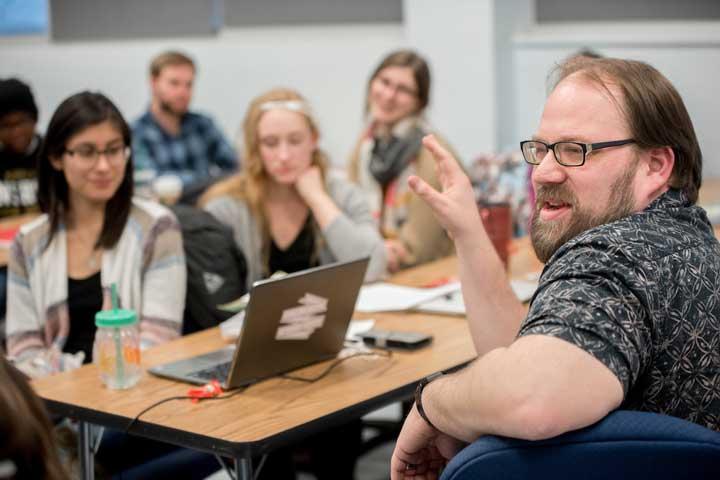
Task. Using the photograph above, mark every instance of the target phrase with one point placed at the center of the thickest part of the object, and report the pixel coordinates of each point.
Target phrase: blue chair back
(624, 445)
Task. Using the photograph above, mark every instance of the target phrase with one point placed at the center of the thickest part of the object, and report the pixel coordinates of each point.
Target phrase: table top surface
(275, 411)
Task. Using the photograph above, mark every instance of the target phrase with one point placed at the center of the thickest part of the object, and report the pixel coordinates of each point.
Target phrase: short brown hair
(420, 70)
(654, 110)
(165, 59)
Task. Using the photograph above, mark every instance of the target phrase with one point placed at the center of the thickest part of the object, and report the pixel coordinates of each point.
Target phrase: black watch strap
(418, 397)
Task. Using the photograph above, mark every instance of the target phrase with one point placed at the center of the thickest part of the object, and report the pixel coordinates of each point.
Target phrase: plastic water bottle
(116, 350)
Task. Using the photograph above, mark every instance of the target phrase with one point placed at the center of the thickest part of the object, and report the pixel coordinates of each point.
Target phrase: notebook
(290, 322)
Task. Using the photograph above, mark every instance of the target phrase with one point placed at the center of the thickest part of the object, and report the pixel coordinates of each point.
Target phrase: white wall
(511, 16)
(457, 37)
(688, 54)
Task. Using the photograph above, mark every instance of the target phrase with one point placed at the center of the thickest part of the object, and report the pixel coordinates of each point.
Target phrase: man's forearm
(494, 313)
(466, 405)
(539, 387)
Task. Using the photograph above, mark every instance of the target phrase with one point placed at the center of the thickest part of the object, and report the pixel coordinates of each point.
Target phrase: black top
(300, 255)
(85, 298)
(18, 180)
(641, 295)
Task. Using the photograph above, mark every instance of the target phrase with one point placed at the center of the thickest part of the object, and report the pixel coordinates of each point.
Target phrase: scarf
(390, 157)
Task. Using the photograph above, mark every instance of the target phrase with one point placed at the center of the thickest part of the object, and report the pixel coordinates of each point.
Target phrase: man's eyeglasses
(88, 156)
(568, 154)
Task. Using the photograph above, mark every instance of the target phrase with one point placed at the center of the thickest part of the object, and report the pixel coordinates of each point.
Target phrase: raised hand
(454, 207)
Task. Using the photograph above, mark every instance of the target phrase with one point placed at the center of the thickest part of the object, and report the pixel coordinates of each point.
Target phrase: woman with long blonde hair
(286, 210)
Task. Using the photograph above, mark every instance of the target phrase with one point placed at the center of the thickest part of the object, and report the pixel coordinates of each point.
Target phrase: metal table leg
(243, 468)
(87, 457)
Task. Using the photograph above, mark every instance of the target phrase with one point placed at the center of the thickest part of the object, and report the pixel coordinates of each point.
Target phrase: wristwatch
(418, 396)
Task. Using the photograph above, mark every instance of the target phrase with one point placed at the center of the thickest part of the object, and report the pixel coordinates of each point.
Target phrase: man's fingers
(431, 143)
(424, 190)
(447, 166)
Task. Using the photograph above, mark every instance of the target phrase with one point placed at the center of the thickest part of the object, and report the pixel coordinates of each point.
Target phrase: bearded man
(627, 312)
(170, 139)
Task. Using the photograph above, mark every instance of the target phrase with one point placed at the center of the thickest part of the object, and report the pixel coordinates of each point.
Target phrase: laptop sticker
(298, 323)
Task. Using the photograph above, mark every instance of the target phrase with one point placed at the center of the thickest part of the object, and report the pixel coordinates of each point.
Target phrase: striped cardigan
(147, 264)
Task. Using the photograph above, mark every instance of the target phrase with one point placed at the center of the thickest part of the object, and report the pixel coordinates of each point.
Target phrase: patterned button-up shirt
(198, 152)
(642, 295)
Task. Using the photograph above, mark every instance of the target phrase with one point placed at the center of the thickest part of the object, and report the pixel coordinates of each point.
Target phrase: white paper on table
(453, 303)
(387, 297)
(230, 328)
(357, 327)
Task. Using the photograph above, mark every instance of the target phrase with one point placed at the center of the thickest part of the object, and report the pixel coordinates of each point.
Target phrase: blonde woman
(389, 151)
(286, 210)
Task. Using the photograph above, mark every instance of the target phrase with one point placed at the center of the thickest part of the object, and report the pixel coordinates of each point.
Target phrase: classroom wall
(458, 43)
(489, 57)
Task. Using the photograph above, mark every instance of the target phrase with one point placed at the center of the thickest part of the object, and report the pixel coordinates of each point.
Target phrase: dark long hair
(75, 114)
(25, 429)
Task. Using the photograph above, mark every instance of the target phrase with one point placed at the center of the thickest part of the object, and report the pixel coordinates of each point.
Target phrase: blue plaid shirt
(198, 152)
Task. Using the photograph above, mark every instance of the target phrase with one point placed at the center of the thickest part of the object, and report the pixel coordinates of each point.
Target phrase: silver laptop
(290, 322)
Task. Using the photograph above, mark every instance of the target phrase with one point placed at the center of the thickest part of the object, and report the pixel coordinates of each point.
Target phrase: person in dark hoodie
(19, 146)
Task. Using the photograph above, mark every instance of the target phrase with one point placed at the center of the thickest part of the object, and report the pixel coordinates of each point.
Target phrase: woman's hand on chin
(309, 184)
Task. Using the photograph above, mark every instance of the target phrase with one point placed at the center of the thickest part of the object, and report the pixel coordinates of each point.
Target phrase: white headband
(292, 105)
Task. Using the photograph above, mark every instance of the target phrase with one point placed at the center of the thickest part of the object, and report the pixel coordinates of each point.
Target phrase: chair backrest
(624, 445)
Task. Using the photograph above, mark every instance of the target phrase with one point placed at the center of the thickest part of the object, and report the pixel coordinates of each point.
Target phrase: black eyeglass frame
(586, 148)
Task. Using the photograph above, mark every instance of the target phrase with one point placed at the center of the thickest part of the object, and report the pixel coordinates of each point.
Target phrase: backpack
(216, 268)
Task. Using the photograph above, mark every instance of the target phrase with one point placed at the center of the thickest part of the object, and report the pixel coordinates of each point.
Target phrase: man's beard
(547, 237)
(167, 107)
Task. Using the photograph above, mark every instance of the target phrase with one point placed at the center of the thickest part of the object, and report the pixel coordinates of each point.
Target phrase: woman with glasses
(389, 151)
(92, 234)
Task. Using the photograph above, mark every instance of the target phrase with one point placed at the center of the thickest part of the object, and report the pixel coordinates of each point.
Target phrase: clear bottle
(116, 350)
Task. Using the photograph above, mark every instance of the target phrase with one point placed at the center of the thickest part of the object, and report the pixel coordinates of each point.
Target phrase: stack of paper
(453, 304)
(387, 297)
(446, 299)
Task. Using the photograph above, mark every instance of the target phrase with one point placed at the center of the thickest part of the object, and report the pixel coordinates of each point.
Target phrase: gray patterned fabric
(642, 295)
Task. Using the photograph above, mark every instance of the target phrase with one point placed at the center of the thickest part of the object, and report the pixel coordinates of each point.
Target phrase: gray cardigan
(352, 235)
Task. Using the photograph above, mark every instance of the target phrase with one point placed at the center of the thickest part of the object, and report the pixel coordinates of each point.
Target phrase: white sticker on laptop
(298, 323)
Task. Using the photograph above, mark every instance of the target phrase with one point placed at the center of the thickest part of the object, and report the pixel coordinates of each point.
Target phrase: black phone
(389, 339)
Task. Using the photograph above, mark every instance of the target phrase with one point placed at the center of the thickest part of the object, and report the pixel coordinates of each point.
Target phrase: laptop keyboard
(216, 372)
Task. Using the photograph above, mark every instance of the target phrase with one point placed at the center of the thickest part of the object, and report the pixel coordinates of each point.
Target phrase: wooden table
(274, 412)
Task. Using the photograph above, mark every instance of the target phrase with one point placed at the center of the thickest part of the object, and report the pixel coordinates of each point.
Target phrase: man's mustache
(556, 193)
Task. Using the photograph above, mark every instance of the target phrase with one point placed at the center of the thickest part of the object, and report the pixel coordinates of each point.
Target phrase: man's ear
(660, 163)
(153, 82)
(655, 173)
